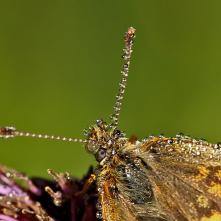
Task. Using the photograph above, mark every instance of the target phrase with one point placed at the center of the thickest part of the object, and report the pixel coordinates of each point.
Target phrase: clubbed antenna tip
(127, 51)
(7, 132)
(10, 132)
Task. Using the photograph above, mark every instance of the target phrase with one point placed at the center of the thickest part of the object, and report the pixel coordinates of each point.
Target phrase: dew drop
(98, 215)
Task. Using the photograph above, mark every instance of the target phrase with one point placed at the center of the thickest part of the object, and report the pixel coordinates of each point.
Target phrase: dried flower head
(37, 199)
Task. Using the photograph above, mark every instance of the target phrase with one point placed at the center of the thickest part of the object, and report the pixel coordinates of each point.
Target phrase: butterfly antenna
(127, 51)
(10, 132)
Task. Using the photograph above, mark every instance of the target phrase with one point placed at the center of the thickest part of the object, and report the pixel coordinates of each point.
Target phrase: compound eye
(101, 154)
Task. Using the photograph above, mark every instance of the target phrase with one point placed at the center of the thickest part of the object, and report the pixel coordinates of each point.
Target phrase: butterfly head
(103, 140)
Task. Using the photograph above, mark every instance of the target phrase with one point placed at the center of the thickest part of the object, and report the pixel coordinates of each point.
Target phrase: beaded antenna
(155, 179)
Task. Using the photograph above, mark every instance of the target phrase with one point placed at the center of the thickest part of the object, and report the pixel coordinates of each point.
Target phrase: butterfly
(155, 179)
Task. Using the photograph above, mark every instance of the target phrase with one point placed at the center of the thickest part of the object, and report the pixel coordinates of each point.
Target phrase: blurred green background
(60, 67)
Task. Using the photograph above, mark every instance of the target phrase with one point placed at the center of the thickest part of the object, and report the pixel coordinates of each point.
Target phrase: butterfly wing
(185, 175)
(113, 206)
(125, 194)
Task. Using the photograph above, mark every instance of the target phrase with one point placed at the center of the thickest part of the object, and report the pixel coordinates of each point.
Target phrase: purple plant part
(7, 218)
(37, 199)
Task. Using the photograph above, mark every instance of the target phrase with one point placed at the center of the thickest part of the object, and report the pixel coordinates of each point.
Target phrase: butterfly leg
(87, 185)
